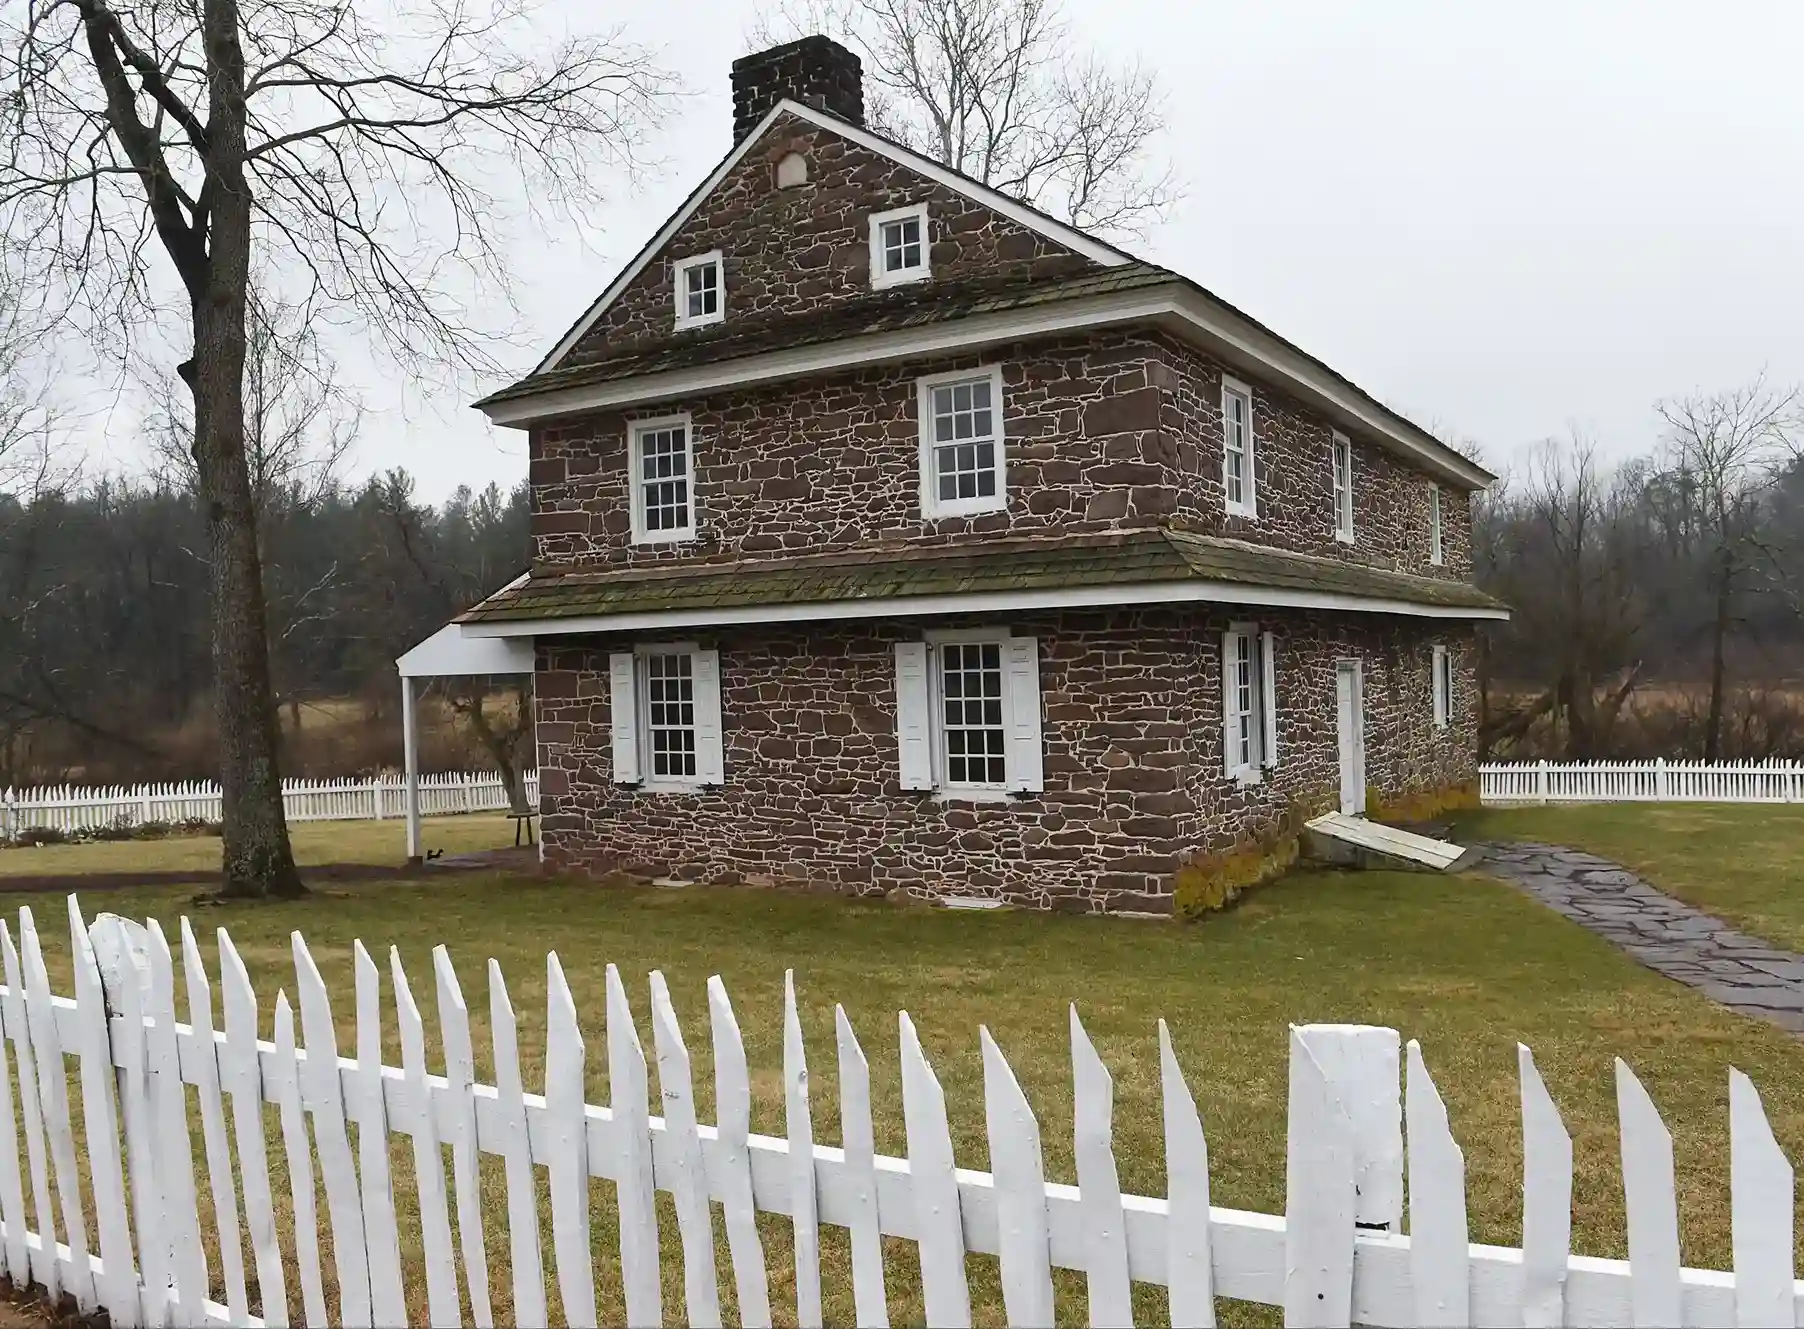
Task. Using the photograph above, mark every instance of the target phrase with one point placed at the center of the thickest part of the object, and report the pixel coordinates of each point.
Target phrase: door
(1350, 714)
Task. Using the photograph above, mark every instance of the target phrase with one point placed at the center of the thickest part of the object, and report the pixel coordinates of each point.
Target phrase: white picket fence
(1354, 1136)
(72, 808)
(1658, 781)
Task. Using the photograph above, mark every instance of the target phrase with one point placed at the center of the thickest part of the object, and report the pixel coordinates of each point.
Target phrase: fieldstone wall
(805, 249)
(1103, 431)
(1131, 718)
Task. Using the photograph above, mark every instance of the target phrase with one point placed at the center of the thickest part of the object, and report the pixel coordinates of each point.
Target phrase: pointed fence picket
(1338, 1255)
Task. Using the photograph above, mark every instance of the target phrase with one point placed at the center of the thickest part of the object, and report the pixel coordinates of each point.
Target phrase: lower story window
(670, 715)
(666, 716)
(968, 713)
(975, 742)
(1249, 703)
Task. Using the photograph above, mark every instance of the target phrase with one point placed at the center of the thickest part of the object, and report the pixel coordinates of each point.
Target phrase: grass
(1466, 965)
(315, 842)
(1742, 862)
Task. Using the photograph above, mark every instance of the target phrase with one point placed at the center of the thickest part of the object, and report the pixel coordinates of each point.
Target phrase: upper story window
(1237, 462)
(1437, 553)
(701, 290)
(899, 246)
(663, 468)
(1343, 488)
(961, 443)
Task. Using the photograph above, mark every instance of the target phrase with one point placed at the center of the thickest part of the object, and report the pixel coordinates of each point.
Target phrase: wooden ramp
(1335, 837)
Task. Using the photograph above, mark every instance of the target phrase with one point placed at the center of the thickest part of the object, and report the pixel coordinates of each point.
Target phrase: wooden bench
(522, 819)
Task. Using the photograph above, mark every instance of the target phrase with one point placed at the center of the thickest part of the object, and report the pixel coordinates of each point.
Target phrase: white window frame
(1248, 504)
(679, 272)
(1023, 773)
(902, 276)
(630, 687)
(1341, 472)
(931, 506)
(1437, 551)
(1442, 666)
(636, 430)
(1255, 729)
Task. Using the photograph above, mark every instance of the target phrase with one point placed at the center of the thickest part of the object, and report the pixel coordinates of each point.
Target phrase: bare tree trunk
(1719, 633)
(258, 859)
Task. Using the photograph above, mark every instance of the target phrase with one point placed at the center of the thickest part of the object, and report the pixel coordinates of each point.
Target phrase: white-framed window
(665, 698)
(1237, 461)
(899, 246)
(662, 457)
(1443, 687)
(1249, 702)
(701, 290)
(962, 470)
(1436, 552)
(968, 713)
(1343, 488)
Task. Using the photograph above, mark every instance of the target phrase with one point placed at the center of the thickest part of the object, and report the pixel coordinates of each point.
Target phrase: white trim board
(983, 602)
(456, 652)
(1069, 236)
(1188, 311)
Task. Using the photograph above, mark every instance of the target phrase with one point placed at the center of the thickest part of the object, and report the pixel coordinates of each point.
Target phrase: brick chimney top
(815, 71)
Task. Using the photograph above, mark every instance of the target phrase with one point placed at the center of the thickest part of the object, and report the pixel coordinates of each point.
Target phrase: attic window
(701, 291)
(899, 245)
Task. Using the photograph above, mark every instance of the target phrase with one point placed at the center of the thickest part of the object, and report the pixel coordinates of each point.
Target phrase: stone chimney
(815, 71)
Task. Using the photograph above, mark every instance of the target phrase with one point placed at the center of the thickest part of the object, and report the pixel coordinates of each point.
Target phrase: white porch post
(410, 739)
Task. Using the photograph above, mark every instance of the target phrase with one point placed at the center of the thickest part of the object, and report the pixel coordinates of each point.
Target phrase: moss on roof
(1130, 559)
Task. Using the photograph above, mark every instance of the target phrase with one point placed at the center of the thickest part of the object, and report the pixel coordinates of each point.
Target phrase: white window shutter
(1268, 654)
(1441, 708)
(1021, 670)
(1230, 725)
(914, 713)
(710, 760)
(624, 700)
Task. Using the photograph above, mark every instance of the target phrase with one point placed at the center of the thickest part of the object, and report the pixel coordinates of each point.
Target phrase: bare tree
(994, 88)
(300, 422)
(355, 149)
(1725, 451)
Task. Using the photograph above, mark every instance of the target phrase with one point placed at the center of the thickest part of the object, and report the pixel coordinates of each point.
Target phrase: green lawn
(1467, 965)
(315, 842)
(1743, 862)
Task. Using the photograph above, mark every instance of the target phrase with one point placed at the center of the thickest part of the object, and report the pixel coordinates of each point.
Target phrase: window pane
(974, 740)
(670, 714)
(664, 478)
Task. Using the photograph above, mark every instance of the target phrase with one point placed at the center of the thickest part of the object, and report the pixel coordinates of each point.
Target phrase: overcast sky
(1507, 220)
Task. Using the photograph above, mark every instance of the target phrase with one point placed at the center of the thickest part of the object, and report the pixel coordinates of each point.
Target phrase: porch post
(410, 740)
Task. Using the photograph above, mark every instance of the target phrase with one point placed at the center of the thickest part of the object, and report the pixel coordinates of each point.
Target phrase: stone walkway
(1741, 972)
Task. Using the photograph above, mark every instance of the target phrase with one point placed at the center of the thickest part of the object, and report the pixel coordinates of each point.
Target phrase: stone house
(887, 532)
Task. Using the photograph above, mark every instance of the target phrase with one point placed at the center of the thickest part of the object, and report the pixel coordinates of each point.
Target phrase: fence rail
(1658, 781)
(1363, 1113)
(70, 808)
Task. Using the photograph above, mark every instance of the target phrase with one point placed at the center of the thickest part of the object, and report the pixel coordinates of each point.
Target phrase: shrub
(195, 826)
(36, 835)
(120, 829)
(1410, 805)
(1215, 881)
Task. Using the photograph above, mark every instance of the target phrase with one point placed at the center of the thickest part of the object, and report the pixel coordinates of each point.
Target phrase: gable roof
(1014, 209)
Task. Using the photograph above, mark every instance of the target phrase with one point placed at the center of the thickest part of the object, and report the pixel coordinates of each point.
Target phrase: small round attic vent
(792, 171)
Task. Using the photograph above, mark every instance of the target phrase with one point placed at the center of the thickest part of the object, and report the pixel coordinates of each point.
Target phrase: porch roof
(1148, 566)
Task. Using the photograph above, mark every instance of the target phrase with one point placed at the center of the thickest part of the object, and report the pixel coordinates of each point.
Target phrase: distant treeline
(104, 652)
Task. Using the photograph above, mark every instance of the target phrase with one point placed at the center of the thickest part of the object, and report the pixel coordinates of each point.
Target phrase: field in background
(315, 842)
(1742, 862)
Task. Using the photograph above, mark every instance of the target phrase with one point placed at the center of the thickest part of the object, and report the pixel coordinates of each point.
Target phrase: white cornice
(1069, 236)
(985, 602)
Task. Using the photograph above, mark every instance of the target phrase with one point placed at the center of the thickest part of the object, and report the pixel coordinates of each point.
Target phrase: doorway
(1349, 695)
